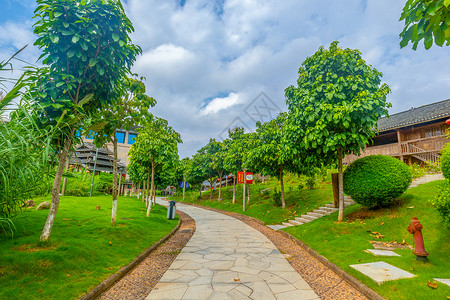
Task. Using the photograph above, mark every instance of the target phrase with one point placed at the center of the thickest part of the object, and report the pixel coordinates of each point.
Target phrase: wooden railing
(426, 149)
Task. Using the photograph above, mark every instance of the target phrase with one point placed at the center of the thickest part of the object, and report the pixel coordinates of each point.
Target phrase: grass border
(108, 282)
(364, 289)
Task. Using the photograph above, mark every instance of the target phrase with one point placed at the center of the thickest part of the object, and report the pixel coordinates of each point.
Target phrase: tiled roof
(425, 113)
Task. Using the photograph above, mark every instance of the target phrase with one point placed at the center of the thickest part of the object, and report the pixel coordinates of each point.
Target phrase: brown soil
(34, 248)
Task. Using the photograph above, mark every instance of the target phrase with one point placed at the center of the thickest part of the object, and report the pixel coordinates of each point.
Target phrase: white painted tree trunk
(114, 191)
(283, 203)
(234, 190)
(341, 187)
(149, 207)
(62, 156)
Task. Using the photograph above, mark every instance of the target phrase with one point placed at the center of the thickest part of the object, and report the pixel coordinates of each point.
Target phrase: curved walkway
(228, 259)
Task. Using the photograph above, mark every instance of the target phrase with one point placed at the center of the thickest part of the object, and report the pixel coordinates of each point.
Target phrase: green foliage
(277, 198)
(336, 104)
(311, 182)
(79, 185)
(376, 180)
(417, 170)
(442, 202)
(428, 20)
(445, 161)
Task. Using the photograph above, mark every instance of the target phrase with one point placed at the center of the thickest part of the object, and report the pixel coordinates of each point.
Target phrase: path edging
(108, 282)
(364, 289)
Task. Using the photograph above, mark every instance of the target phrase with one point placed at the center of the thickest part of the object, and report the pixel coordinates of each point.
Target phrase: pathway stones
(227, 259)
(381, 271)
(382, 252)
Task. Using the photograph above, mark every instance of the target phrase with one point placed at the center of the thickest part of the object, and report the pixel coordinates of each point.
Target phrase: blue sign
(184, 184)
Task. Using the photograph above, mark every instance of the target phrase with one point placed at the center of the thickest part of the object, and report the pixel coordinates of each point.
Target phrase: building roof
(422, 114)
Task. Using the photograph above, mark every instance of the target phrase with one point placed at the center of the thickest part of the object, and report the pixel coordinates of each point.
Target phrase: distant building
(415, 135)
(124, 141)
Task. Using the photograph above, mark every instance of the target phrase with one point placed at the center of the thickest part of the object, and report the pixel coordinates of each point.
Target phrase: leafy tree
(155, 146)
(267, 156)
(427, 20)
(131, 109)
(335, 108)
(203, 159)
(237, 146)
(217, 161)
(87, 50)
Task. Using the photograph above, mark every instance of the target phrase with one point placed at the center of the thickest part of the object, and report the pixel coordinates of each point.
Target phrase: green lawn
(83, 250)
(261, 206)
(344, 244)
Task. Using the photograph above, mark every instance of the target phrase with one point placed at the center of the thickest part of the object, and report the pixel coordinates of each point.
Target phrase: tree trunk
(149, 208)
(119, 186)
(211, 188)
(114, 191)
(220, 184)
(62, 156)
(234, 190)
(147, 200)
(248, 194)
(341, 187)
(184, 185)
(63, 190)
(283, 203)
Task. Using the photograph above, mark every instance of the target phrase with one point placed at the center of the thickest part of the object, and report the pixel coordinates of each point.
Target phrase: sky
(218, 64)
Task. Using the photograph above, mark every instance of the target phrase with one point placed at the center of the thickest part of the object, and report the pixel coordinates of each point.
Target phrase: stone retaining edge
(364, 289)
(108, 282)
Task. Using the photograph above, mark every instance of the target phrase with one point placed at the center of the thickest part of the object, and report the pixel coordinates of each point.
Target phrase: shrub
(277, 198)
(442, 203)
(445, 161)
(376, 180)
(311, 182)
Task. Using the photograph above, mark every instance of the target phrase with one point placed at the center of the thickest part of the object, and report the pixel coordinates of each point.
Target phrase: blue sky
(208, 62)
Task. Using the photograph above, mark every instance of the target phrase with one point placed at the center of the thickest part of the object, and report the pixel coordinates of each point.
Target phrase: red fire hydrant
(415, 228)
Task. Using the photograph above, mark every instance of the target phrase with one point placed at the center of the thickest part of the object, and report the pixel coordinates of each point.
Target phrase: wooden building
(416, 135)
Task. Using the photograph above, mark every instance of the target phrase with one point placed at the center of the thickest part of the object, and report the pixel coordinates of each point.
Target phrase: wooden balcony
(425, 149)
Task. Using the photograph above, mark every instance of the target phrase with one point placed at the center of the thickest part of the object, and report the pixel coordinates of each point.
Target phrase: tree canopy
(427, 20)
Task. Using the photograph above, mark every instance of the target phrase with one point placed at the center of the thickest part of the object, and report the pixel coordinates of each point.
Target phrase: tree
(155, 146)
(267, 156)
(203, 159)
(130, 109)
(87, 50)
(217, 162)
(335, 107)
(427, 20)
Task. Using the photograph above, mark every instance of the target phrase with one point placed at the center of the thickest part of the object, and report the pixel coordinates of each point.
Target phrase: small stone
(43, 205)
(28, 203)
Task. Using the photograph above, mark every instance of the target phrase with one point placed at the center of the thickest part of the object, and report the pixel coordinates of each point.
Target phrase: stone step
(309, 217)
(329, 209)
(322, 212)
(303, 220)
(314, 214)
(330, 205)
(295, 223)
(287, 224)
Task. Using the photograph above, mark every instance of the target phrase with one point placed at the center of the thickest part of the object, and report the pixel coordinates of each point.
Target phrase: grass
(298, 201)
(83, 250)
(344, 243)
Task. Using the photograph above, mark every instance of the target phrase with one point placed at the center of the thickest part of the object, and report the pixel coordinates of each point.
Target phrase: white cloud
(192, 53)
(218, 104)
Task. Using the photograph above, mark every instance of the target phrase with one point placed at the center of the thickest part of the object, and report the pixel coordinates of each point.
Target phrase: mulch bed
(325, 283)
(138, 283)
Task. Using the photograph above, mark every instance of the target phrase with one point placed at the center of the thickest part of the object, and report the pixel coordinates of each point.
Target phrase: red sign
(249, 176)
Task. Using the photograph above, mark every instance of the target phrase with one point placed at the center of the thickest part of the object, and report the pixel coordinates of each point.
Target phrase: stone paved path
(227, 259)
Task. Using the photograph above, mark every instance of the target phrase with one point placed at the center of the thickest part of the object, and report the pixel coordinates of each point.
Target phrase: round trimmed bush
(445, 162)
(442, 203)
(376, 180)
